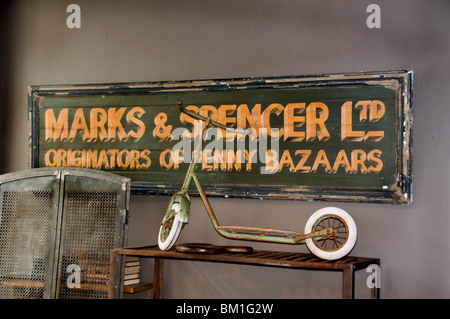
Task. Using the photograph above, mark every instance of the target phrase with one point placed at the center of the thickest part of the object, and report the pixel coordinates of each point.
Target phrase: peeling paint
(398, 81)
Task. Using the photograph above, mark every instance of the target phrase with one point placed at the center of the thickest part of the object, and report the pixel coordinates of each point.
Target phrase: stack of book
(132, 268)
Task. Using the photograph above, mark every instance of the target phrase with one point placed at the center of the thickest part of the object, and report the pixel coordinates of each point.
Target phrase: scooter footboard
(267, 234)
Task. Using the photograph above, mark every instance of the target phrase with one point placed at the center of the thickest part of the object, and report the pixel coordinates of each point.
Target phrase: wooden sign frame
(341, 137)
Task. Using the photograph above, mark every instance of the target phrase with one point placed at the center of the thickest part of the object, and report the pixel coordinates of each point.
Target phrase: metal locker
(57, 227)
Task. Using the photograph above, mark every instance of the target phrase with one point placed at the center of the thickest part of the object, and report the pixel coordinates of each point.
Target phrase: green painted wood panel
(341, 137)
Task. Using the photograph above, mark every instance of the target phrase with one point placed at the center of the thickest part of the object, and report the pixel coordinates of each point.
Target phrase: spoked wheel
(170, 228)
(337, 244)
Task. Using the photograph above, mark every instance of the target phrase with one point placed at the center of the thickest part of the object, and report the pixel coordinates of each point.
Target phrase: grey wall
(122, 41)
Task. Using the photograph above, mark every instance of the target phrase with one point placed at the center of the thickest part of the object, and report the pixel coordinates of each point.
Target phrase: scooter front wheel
(337, 244)
(170, 228)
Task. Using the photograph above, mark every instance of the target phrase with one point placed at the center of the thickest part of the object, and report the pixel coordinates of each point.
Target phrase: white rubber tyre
(174, 232)
(332, 249)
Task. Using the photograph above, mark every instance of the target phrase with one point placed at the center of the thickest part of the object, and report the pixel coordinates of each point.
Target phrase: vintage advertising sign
(334, 137)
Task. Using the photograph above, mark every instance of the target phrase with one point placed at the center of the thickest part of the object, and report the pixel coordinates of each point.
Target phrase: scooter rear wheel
(170, 228)
(336, 245)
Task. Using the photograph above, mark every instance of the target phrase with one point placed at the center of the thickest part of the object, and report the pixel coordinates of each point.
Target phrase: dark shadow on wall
(6, 23)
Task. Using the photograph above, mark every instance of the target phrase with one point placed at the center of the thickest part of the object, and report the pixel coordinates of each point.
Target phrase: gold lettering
(358, 157)
(50, 158)
(244, 117)
(207, 160)
(374, 158)
(265, 120)
(271, 160)
(188, 121)
(286, 159)
(103, 160)
(249, 157)
(362, 106)
(233, 158)
(91, 160)
(134, 117)
(374, 110)
(209, 110)
(301, 163)
(145, 154)
(114, 124)
(112, 157)
(316, 125)
(342, 161)
(292, 121)
(98, 118)
(56, 129)
(74, 158)
(225, 118)
(321, 160)
(134, 159)
(79, 123)
(347, 133)
(377, 110)
(122, 162)
(164, 163)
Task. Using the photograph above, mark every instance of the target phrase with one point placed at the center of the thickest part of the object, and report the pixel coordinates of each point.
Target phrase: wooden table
(347, 265)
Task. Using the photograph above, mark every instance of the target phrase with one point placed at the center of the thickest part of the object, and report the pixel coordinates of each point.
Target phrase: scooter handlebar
(204, 119)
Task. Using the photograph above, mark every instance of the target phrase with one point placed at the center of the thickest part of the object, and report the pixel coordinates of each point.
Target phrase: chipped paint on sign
(338, 137)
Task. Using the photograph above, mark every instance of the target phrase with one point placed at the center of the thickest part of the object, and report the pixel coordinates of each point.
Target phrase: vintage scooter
(330, 233)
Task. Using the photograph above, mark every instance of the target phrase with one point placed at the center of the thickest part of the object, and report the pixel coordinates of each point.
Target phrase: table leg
(112, 287)
(375, 291)
(348, 277)
(158, 278)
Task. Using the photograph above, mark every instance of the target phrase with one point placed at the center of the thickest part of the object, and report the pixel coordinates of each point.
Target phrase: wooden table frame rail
(348, 265)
